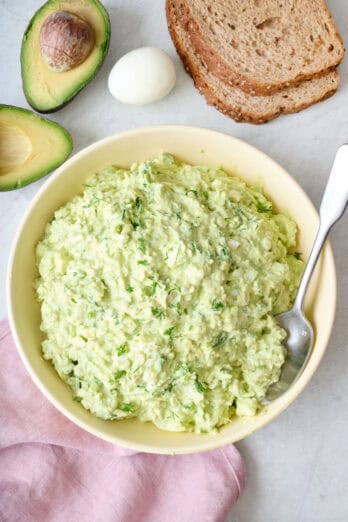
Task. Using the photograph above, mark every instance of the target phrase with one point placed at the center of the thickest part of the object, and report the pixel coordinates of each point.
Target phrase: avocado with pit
(30, 146)
(63, 48)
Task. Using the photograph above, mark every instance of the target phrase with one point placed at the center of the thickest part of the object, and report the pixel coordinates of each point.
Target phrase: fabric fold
(53, 471)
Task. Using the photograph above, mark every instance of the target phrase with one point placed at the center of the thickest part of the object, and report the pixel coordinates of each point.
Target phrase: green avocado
(48, 90)
(30, 146)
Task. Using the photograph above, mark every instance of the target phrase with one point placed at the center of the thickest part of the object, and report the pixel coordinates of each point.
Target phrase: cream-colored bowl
(197, 146)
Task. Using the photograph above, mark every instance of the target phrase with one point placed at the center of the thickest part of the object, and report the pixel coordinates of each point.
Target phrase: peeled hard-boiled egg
(142, 76)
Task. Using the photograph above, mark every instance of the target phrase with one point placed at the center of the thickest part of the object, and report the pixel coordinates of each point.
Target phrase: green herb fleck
(168, 388)
(127, 407)
(177, 212)
(141, 245)
(138, 204)
(192, 191)
(298, 255)
(130, 289)
(119, 374)
(94, 201)
(137, 223)
(220, 339)
(151, 290)
(205, 195)
(143, 262)
(199, 386)
(263, 208)
(185, 311)
(217, 305)
(224, 251)
(77, 399)
(184, 367)
(157, 312)
(146, 167)
(115, 317)
(122, 349)
(196, 247)
(170, 332)
(123, 214)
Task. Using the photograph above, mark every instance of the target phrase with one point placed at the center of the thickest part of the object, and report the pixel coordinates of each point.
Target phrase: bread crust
(222, 70)
(238, 113)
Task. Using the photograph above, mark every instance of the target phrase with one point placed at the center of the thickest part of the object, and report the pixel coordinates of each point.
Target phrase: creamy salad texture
(158, 289)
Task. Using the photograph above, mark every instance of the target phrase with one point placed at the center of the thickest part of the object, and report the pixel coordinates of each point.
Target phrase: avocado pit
(66, 40)
(63, 48)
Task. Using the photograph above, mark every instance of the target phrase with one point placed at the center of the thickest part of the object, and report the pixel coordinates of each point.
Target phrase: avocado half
(47, 90)
(30, 146)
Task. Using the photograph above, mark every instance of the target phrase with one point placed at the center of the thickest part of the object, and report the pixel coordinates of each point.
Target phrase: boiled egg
(142, 76)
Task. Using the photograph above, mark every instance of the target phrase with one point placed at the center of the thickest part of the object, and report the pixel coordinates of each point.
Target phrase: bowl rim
(293, 392)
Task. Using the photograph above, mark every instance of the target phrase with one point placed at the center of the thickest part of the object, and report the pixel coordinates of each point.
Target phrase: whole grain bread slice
(262, 46)
(236, 103)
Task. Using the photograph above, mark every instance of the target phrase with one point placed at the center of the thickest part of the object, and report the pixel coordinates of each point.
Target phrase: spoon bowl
(299, 342)
(300, 337)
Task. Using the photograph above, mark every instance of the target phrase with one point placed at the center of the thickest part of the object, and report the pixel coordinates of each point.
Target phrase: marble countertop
(298, 465)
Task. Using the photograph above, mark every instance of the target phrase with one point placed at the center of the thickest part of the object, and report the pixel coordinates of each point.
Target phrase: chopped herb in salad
(158, 288)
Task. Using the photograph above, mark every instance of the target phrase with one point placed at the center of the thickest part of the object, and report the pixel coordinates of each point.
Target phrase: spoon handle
(332, 208)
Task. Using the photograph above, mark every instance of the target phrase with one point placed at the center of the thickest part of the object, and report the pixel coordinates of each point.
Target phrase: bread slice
(262, 46)
(236, 103)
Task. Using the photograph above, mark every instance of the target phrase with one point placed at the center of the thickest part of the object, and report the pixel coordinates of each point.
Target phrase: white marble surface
(298, 465)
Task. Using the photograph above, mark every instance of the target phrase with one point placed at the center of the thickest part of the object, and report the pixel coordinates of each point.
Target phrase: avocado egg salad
(158, 288)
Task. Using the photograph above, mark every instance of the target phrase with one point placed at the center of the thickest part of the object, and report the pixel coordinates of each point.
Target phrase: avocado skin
(97, 5)
(13, 185)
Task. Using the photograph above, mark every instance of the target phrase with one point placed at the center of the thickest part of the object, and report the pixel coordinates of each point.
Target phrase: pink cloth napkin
(53, 471)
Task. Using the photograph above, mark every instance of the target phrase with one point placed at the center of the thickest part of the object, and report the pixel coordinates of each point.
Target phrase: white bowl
(197, 146)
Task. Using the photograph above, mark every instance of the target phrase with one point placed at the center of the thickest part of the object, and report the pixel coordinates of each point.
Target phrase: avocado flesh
(47, 90)
(30, 146)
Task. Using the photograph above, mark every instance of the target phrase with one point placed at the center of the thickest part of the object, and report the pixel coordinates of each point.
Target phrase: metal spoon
(300, 338)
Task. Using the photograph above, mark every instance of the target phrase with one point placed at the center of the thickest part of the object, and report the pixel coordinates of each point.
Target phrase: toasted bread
(234, 102)
(262, 46)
